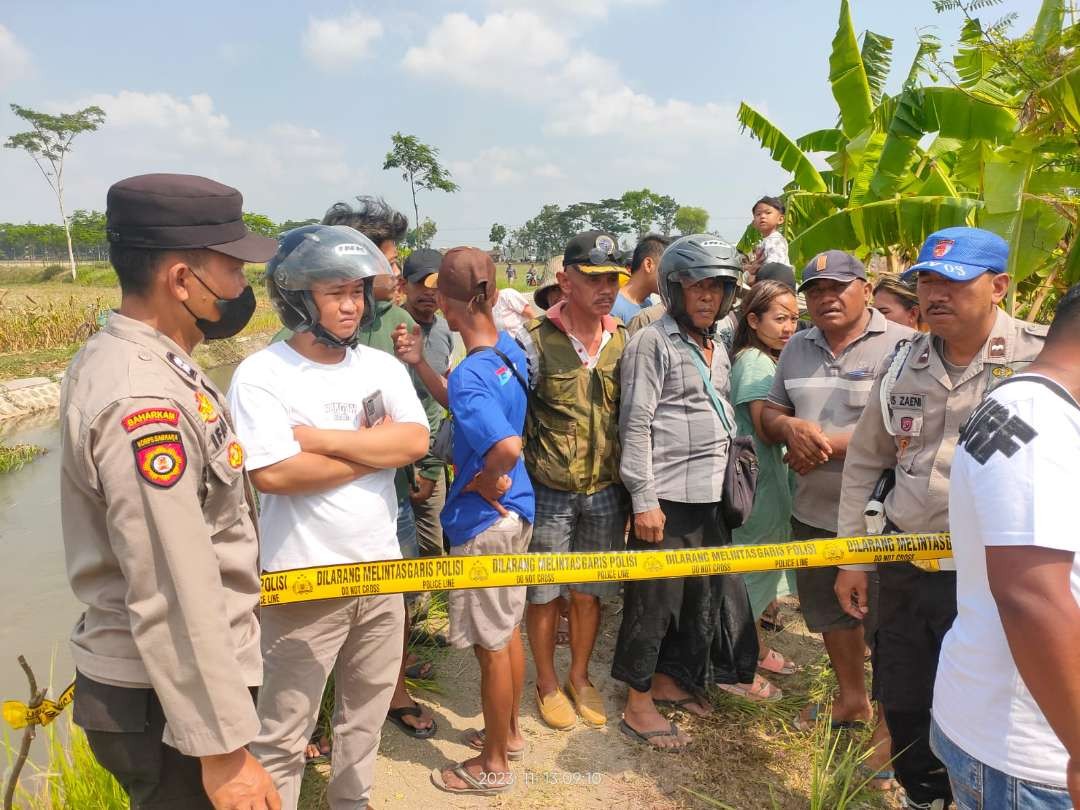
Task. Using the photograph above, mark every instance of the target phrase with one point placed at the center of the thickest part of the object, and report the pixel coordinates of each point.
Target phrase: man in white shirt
(1007, 696)
(512, 310)
(326, 423)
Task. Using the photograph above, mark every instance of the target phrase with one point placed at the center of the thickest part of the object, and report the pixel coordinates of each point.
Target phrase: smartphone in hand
(374, 410)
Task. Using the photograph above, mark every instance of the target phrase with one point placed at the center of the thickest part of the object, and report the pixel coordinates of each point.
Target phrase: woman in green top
(766, 323)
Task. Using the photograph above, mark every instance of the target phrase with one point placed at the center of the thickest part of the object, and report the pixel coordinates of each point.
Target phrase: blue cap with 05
(961, 254)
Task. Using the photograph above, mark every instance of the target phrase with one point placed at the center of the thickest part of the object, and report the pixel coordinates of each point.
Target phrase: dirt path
(743, 759)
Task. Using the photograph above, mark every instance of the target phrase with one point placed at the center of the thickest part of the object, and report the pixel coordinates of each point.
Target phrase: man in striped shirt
(822, 383)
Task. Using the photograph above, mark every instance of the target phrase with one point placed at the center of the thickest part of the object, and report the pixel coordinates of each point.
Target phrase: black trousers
(676, 626)
(124, 728)
(917, 609)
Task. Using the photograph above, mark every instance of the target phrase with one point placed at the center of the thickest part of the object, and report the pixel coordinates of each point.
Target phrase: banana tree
(1003, 155)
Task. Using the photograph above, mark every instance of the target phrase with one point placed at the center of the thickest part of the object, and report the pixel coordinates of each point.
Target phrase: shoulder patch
(236, 455)
(181, 364)
(160, 458)
(207, 411)
(150, 416)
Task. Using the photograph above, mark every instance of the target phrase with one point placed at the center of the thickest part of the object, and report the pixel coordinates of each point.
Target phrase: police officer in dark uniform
(158, 526)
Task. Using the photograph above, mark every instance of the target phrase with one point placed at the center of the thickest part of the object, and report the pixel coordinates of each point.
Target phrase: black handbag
(741, 471)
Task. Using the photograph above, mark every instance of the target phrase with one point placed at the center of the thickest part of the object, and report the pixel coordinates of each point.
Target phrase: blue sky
(530, 101)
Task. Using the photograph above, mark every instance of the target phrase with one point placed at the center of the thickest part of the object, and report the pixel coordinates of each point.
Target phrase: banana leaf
(782, 149)
(865, 160)
(902, 222)
(929, 45)
(805, 208)
(1071, 274)
(822, 140)
(951, 113)
(1062, 96)
(876, 57)
(1046, 33)
(847, 76)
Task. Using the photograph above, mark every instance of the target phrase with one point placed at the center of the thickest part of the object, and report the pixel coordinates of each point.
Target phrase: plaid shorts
(571, 521)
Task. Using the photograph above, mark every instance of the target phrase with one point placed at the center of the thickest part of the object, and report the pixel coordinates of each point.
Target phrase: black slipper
(646, 737)
(397, 717)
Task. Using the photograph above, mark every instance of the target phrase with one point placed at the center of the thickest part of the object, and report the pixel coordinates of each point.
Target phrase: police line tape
(561, 568)
(555, 568)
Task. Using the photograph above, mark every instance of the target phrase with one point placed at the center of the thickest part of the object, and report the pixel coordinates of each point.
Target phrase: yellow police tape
(500, 570)
(19, 715)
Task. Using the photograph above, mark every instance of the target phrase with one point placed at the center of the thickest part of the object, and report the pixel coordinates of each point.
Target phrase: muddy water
(37, 608)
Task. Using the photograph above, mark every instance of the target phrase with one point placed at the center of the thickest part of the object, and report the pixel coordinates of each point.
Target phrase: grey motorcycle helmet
(694, 258)
(315, 253)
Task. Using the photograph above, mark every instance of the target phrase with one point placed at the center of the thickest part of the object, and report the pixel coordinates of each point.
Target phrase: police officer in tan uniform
(157, 517)
(911, 426)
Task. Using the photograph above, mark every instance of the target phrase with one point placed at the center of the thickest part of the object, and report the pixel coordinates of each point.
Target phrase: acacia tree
(48, 143)
(419, 166)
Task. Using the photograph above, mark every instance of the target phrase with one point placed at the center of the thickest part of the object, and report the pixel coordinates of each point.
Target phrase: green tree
(419, 166)
(640, 210)
(48, 142)
(664, 210)
(497, 235)
(422, 235)
(88, 234)
(289, 224)
(690, 219)
(261, 224)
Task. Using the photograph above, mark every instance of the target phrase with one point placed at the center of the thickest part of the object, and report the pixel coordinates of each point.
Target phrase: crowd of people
(683, 397)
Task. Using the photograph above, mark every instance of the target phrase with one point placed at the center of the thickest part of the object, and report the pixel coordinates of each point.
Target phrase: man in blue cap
(912, 426)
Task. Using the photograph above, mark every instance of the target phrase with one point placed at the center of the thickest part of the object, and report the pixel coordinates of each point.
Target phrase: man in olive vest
(572, 455)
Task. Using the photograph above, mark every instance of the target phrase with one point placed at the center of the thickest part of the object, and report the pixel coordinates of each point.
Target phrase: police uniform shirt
(158, 535)
(926, 411)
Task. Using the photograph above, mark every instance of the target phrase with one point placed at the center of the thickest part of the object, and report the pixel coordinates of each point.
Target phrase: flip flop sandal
(647, 736)
(770, 694)
(419, 671)
(807, 723)
(883, 780)
(397, 717)
(475, 740)
(775, 664)
(322, 756)
(682, 703)
(475, 786)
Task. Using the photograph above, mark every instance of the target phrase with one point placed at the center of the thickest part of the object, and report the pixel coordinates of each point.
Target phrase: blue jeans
(976, 786)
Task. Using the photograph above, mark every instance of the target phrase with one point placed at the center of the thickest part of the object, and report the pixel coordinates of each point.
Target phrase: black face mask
(235, 313)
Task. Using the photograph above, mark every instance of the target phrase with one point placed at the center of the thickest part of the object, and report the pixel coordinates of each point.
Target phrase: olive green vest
(572, 427)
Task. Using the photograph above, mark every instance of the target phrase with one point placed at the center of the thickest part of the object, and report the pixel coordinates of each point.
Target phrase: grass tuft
(17, 456)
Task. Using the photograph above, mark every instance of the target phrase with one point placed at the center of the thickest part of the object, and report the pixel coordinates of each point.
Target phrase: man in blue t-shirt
(489, 510)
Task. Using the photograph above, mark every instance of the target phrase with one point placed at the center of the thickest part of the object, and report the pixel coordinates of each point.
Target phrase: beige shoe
(589, 704)
(555, 710)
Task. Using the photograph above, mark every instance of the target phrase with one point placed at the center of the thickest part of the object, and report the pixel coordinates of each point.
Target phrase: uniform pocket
(556, 401)
(225, 502)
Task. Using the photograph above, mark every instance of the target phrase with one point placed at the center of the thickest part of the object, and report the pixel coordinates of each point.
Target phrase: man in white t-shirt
(511, 310)
(326, 423)
(1007, 695)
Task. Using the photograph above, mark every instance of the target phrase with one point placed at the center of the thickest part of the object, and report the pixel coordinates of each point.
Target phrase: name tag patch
(906, 413)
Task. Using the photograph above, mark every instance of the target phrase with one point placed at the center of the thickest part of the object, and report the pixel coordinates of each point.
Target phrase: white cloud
(583, 8)
(503, 167)
(330, 42)
(286, 164)
(523, 55)
(14, 58)
(508, 51)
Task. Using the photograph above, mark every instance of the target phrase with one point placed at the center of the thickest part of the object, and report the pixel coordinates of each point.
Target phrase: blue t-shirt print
(488, 405)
